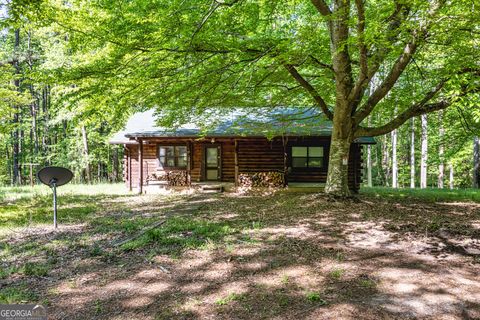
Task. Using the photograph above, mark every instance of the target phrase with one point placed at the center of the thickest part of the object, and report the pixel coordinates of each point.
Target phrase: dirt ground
(281, 256)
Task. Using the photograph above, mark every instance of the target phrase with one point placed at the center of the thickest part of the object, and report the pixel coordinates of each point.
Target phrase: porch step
(211, 188)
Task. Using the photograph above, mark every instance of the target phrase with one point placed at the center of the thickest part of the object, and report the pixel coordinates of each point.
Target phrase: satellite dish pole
(53, 185)
(55, 177)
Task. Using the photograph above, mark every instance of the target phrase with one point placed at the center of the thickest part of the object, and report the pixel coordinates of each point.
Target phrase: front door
(212, 163)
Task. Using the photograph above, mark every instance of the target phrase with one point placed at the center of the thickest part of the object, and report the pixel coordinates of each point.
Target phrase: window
(307, 157)
(172, 156)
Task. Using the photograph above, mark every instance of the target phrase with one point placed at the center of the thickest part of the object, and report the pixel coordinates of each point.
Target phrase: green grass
(231, 297)
(336, 273)
(35, 269)
(367, 283)
(429, 194)
(182, 233)
(22, 192)
(26, 206)
(315, 297)
(10, 295)
(5, 272)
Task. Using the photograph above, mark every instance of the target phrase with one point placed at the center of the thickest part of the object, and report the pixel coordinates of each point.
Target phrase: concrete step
(211, 188)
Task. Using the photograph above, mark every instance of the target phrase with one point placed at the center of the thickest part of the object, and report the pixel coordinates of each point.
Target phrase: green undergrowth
(183, 233)
(429, 194)
(28, 206)
(10, 295)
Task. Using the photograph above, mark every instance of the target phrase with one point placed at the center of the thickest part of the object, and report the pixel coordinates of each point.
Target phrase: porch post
(236, 163)
(129, 167)
(140, 166)
(285, 160)
(189, 162)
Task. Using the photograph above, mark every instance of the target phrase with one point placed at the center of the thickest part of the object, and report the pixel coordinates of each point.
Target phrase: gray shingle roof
(239, 123)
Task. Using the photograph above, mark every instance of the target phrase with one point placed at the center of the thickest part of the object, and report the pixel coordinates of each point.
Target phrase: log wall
(254, 155)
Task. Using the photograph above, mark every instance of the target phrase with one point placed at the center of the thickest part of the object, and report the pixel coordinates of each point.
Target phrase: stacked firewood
(157, 176)
(177, 178)
(270, 179)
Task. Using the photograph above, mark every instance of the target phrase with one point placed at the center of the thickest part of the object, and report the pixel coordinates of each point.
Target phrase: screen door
(212, 163)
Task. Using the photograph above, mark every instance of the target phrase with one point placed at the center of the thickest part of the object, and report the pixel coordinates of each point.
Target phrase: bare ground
(290, 256)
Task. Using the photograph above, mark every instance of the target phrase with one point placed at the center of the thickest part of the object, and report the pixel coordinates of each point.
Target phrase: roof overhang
(365, 140)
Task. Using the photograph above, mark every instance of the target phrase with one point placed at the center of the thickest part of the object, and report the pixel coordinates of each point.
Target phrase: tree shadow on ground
(289, 256)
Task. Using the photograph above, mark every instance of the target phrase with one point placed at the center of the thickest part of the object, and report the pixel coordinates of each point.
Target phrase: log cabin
(277, 148)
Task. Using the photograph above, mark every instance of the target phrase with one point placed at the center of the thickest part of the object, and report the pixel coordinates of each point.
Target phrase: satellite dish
(54, 177)
(57, 175)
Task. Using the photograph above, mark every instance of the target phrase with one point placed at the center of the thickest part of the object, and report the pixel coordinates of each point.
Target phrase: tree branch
(393, 22)
(361, 38)
(422, 107)
(321, 64)
(322, 7)
(399, 66)
(310, 89)
(356, 93)
(388, 83)
(411, 112)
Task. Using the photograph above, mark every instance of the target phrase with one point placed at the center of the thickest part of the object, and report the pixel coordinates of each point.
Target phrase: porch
(225, 163)
(219, 186)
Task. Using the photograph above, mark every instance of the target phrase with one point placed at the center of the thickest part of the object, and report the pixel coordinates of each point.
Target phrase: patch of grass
(95, 251)
(336, 273)
(367, 283)
(5, 272)
(229, 248)
(315, 297)
(23, 192)
(35, 269)
(11, 295)
(340, 256)
(128, 225)
(283, 300)
(22, 206)
(285, 279)
(231, 297)
(257, 225)
(428, 194)
(98, 307)
(183, 233)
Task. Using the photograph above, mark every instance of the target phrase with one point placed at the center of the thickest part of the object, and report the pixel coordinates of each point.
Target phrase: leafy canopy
(184, 56)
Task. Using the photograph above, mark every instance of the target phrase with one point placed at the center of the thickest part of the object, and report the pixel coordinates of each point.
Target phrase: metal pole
(54, 186)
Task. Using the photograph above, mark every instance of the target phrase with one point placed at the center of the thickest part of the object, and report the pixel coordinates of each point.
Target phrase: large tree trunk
(441, 151)
(342, 137)
(476, 162)
(424, 154)
(412, 156)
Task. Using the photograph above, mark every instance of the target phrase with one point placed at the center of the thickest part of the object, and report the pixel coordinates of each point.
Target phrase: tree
(186, 56)
(441, 151)
(47, 131)
(476, 162)
(16, 177)
(394, 159)
(451, 182)
(412, 155)
(424, 154)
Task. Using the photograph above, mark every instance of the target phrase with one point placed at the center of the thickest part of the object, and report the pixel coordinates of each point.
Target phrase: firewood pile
(270, 179)
(177, 178)
(157, 176)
